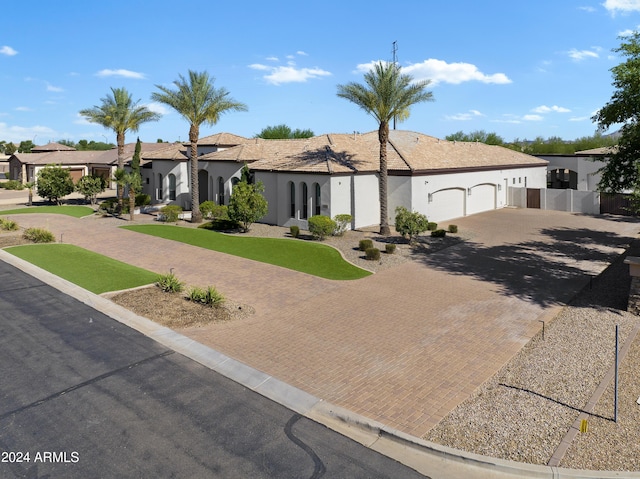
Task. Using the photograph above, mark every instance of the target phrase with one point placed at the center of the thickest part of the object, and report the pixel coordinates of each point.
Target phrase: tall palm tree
(387, 93)
(118, 112)
(198, 101)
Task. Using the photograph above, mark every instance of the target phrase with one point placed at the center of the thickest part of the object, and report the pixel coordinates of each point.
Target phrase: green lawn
(87, 269)
(69, 210)
(304, 256)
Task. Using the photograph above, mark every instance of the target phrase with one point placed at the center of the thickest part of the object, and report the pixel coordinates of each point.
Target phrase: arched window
(292, 200)
(316, 199)
(305, 201)
(172, 187)
(159, 188)
(220, 190)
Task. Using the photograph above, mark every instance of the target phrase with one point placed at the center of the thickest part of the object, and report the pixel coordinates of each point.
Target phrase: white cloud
(17, 134)
(579, 55)
(624, 6)
(289, 74)
(439, 71)
(628, 32)
(549, 109)
(23, 108)
(6, 50)
(587, 9)
(464, 116)
(301, 53)
(81, 120)
(50, 87)
(532, 118)
(158, 108)
(580, 118)
(272, 59)
(121, 73)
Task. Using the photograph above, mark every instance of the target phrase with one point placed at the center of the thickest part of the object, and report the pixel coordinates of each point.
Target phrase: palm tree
(118, 112)
(198, 102)
(387, 94)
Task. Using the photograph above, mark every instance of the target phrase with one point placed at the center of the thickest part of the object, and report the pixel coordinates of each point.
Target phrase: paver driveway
(403, 346)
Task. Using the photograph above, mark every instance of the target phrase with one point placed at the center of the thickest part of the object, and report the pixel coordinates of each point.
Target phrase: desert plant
(372, 254)
(294, 230)
(39, 235)
(209, 296)
(432, 226)
(439, 233)
(169, 283)
(364, 244)
(170, 213)
(342, 221)
(410, 223)
(321, 226)
(453, 228)
(390, 248)
(8, 225)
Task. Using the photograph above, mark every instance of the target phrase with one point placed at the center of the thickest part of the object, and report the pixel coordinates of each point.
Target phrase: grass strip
(304, 256)
(69, 210)
(89, 270)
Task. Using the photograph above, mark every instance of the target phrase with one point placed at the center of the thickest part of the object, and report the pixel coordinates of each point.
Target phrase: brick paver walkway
(403, 346)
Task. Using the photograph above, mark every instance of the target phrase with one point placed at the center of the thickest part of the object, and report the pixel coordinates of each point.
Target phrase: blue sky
(521, 69)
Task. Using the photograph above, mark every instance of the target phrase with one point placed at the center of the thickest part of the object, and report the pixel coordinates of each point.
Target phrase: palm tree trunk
(383, 136)
(120, 189)
(196, 216)
(132, 202)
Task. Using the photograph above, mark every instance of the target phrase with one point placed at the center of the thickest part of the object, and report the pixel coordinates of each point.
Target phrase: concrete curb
(433, 460)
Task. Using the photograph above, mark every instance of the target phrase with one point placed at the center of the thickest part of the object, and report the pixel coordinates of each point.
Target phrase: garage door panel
(446, 204)
(482, 198)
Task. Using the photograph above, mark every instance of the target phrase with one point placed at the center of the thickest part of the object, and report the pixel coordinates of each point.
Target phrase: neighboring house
(338, 173)
(51, 147)
(579, 171)
(26, 166)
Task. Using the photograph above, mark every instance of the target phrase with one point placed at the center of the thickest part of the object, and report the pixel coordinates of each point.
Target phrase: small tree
(410, 223)
(54, 183)
(321, 226)
(90, 187)
(247, 205)
(30, 185)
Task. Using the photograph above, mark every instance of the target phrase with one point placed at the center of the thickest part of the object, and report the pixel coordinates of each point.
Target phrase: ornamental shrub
(432, 226)
(169, 283)
(38, 235)
(54, 183)
(342, 221)
(142, 199)
(170, 213)
(410, 224)
(247, 204)
(294, 230)
(90, 187)
(8, 225)
(438, 233)
(321, 226)
(209, 296)
(372, 254)
(453, 228)
(390, 248)
(211, 210)
(13, 185)
(364, 244)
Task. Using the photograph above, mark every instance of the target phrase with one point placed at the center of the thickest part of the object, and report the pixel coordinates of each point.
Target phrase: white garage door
(482, 198)
(446, 204)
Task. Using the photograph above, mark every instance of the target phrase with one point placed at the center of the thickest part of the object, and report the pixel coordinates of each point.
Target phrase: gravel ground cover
(525, 410)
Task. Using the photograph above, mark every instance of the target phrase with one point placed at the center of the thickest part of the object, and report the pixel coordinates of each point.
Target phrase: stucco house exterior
(338, 173)
(579, 171)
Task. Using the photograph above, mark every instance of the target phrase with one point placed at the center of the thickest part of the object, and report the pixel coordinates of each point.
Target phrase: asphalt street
(82, 395)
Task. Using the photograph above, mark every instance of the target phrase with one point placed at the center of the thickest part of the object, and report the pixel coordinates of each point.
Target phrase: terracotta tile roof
(173, 152)
(343, 153)
(53, 146)
(221, 139)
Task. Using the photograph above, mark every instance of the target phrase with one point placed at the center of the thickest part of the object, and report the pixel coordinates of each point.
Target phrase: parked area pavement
(406, 345)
